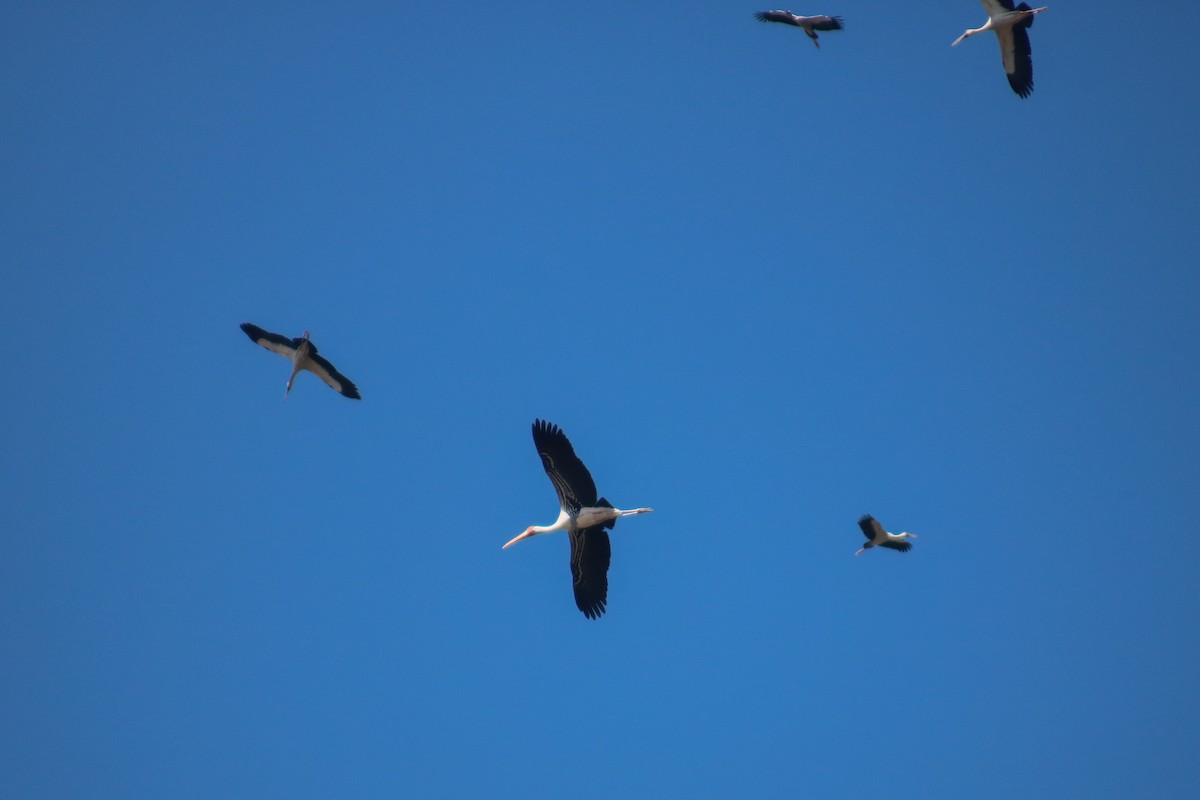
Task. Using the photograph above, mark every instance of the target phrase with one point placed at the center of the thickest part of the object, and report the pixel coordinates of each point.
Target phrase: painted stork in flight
(582, 516)
(1010, 25)
(303, 355)
(810, 24)
(878, 537)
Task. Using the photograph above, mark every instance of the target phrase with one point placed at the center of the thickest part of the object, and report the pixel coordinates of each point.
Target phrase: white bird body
(587, 517)
(581, 514)
(1009, 23)
(598, 515)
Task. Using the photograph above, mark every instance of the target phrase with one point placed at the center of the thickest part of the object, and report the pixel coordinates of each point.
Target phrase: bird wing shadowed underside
(903, 545)
(870, 526)
(333, 379)
(590, 557)
(272, 341)
(827, 23)
(570, 477)
(775, 16)
(1017, 56)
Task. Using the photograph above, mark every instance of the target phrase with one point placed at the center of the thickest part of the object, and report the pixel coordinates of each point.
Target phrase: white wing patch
(1007, 49)
(319, 371)
(287, 351)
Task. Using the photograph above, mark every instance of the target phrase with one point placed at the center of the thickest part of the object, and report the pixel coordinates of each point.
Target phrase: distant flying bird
(1010, 25)
(303, 355)
(810, 24)
(878, 537)
(582, 516)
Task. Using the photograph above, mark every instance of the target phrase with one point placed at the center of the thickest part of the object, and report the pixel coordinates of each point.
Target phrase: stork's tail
(1027, 20)
(602, 503)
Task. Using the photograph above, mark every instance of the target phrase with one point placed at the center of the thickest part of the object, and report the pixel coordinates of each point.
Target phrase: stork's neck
(560, 524)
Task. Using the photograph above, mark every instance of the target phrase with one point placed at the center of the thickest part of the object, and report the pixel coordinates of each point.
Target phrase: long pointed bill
(516, 539)
(860, 552)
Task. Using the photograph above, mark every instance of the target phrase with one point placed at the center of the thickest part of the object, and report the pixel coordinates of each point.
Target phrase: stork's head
(523, 535)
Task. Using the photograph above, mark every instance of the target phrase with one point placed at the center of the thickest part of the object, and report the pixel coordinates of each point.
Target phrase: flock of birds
(583, 514)
(1009, 23)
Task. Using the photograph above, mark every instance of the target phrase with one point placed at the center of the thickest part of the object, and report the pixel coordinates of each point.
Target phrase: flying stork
(810, 24)
(1009, 24)
(582, 516)
(878, 537)
(303, 355)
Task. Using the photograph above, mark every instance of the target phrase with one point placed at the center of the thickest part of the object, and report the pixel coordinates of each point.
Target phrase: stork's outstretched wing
(1017, 56)
(274, 342)
(824, 23)
(570, 477)
(871, 527)
(321, 367)
(591, 554)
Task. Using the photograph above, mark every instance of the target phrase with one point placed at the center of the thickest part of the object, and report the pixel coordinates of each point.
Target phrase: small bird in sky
(1010, 26)
(810, 24)
(878, 537)
(584, 517)
(303, 355)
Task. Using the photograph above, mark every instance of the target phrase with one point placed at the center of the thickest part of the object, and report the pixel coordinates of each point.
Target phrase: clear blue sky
(764, 289)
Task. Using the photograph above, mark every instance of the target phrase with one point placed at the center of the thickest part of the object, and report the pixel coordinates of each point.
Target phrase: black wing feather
(590, 557)
(903, 545)
(570, 477)
(868, 529)
(830, 24)
(1021, 79)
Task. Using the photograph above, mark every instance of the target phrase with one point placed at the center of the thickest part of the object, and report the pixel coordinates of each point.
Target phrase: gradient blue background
(764, 289)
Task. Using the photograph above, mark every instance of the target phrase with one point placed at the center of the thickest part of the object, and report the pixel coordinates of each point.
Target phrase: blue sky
(763, 288)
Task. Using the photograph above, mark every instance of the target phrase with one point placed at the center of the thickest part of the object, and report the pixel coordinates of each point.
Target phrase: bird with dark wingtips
(1010, 26)
(303, 355)
(584, 517)
(878, 537)
(810, 24)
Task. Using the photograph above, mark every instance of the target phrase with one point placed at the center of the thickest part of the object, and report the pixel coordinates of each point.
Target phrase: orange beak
(528, 532)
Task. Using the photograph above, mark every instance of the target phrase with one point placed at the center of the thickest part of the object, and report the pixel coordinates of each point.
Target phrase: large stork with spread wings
(584, 517)
(303, 355)
(877, 536)
(1010, 26)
